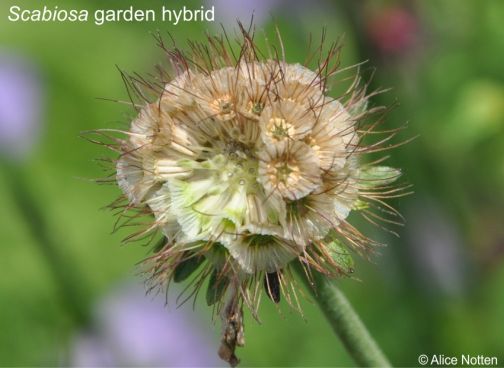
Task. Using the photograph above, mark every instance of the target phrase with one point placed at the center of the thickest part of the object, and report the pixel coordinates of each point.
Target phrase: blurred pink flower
(20, 106)
(132, 329)
(392, 30)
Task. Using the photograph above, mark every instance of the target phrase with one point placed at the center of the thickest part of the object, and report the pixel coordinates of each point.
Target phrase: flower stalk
(345, 322)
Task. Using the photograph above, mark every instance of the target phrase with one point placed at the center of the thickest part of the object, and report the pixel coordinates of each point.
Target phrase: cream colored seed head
(245, 165)
(249, 165)
(224, 175)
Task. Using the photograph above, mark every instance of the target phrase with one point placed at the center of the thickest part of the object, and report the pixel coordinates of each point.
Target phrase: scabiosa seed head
(243, 164)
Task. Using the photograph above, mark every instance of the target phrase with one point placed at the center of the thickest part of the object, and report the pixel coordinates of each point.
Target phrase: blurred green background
(438, 289)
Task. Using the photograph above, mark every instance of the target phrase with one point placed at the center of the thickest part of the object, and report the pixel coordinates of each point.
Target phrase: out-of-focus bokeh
(69, 293)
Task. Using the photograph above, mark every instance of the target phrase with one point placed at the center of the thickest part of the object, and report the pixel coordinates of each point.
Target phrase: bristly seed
(272, 286)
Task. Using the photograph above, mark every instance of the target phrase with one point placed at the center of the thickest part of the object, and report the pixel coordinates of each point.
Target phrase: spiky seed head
(246, 164)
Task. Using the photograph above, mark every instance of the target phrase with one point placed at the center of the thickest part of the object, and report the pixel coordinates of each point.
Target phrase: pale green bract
(377, 176)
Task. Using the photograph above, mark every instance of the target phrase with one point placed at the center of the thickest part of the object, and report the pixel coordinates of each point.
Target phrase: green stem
(345, 321)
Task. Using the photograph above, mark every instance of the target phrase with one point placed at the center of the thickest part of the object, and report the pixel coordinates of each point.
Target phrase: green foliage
(187, 267)
(217, 286)
(341, 256)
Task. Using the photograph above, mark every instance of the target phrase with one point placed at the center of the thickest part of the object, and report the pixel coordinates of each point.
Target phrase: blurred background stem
(344, 321)
(71, 287)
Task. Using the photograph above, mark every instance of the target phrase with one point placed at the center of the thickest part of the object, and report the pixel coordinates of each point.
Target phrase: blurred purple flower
(134, 329)
(436, 248)
(228, 11)
(20, 106)
(90, 351)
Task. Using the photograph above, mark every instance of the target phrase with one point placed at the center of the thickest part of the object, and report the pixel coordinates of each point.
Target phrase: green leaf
(217, 255)
(341, 255)
(216, 288)
(375, 176)
(187, 267)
